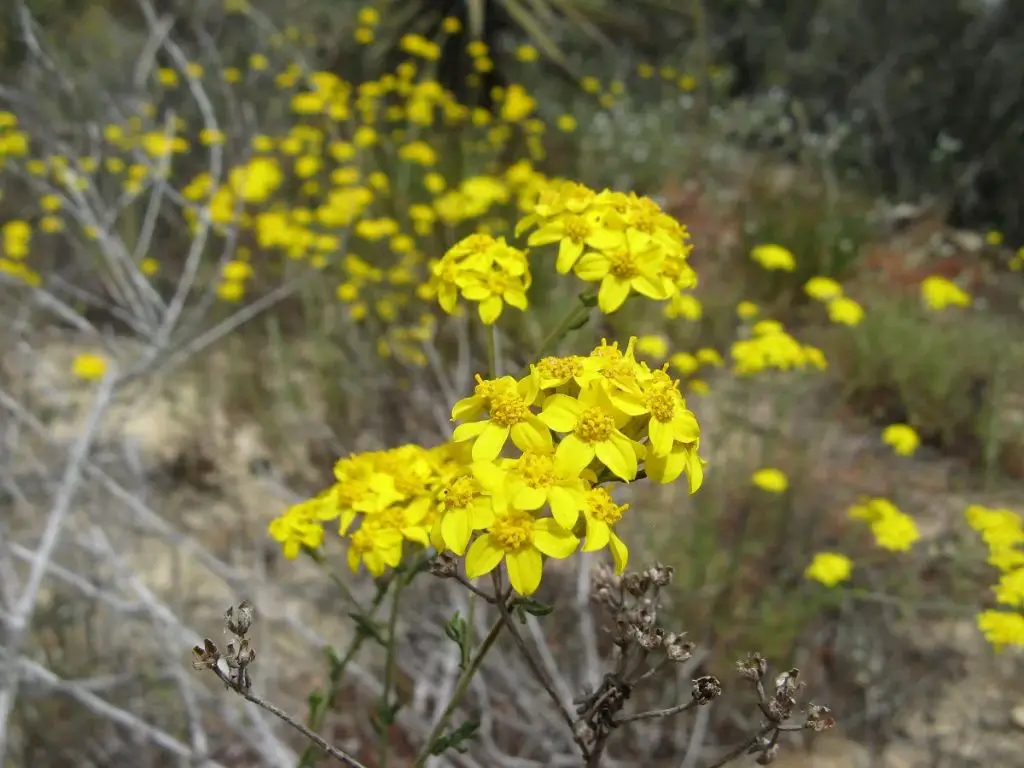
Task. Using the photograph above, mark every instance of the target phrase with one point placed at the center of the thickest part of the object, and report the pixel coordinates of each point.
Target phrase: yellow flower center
(560, 367)
(460, 493)
(508, 409)
(661, 404)
(624, 265)
(536, 470)
(576, 228)
(603, 508)
(361, 541)
(513, 531)
(595, 425)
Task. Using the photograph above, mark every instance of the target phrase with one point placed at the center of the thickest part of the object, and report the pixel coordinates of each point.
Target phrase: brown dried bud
(660, 575)
(634, 583)
(753, 666)
(677, 649)
(706, 689)
(444, 566)
(239, 620)
(651, 641)
(788, 684)
(205, 656)
(819, 718)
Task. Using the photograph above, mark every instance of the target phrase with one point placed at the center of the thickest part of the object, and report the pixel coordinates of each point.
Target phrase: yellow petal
(468, 431)
(490, 310)
(598, 535)
(612, 294)
(456, 530)
(532, 435)
(618, 455)
(560, 413)
(565, 507)
(524, 570)
(483, 557)
(489, 442)
(574, 453)
(553, 540)
(620, 554)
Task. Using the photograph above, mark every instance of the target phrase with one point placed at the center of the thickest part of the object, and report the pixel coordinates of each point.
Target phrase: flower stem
(579, 312)
(492, 352)
(389, 674)
(461, 686)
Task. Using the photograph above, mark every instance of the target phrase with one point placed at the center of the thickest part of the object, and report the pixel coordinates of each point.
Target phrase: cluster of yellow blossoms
(576, 424)
(770, 347)
(1002, 530)
(485, 270)
(623, 242)
(893, 530)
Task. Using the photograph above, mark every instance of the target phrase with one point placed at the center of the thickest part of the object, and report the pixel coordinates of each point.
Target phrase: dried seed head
(636, 584)
(706, 689)
(239, 619)
(788, 683)
(652, 640)
(819, 718)
(753, 666)
(444, 566)
(583, 732)
(205, 656)
(677, 649)
(660, 575)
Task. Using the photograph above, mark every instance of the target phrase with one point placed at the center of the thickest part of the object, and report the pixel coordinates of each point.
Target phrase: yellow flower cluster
(937, 293)
(485, 270)
(1002, 530)
(773, 257)
(770, 347)
(624, 243)
(829, 568)
(893, 530)
(841, 309)
(902, 437)
(577, 423)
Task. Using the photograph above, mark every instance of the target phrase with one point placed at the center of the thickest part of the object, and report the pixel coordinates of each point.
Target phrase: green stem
(579, 312)
(461, 686)
(311, 754)
(389, 673)
(492, 352)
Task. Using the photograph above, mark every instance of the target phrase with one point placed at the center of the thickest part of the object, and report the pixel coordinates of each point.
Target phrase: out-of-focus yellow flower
(771, 480)
(747, 310)
(845, 311)
(902, 438)
(829, 568)
(938, 293)
(773, 257)
(89, 367)
(823, 288)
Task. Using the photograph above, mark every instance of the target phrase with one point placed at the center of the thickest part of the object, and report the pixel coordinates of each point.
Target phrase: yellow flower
(602, 513)
(527, 53)
(464, 506)
(633, 264)
(994, 238)
(773, 257)
(592, 430)
(1010, 590)
(574, 232)
(771, 480)
(893, 530)
(566, 123)
(845, 311)
(747, 310)
(902, 438)
(1002, 628)
(231, 291)
(829, 568)
(520, 540)
(377, 547)
(517, 105)
(652, 346)
(939, 293)
(509, 415)
(823, 288)
(89, 367)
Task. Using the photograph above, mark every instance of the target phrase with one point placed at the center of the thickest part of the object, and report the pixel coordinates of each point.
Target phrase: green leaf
(533, 607)
(367, 628)
(456, 739)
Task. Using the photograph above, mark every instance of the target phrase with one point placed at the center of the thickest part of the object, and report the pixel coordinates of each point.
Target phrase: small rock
(1017, 716)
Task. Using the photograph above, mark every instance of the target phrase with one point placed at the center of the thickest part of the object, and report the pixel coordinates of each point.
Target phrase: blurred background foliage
(921, 97)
